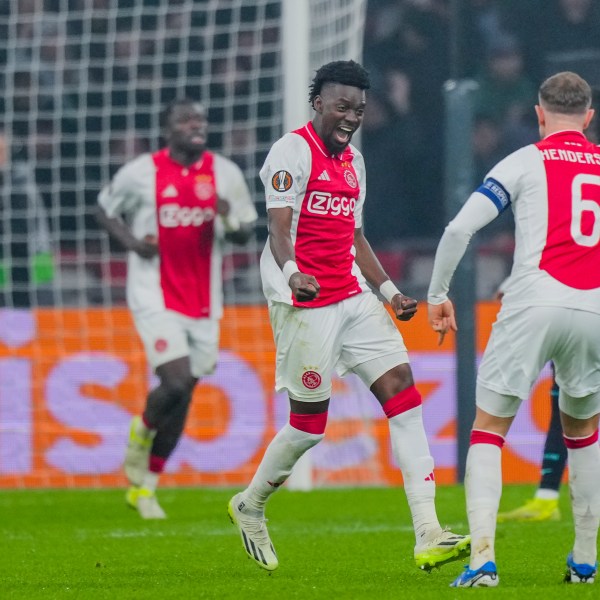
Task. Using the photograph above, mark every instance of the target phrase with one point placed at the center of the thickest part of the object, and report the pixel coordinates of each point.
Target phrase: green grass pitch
(338, 544)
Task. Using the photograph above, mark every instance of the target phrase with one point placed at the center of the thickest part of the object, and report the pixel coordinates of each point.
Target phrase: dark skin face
(339, 112)
(186, 133)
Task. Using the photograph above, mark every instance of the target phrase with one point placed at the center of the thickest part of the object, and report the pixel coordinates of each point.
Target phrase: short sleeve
(122, 195)
(286, 171)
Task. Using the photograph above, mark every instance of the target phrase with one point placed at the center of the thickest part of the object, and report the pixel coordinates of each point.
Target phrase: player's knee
(393, 382)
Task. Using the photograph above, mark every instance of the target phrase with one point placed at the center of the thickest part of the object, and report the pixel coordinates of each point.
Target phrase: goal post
(314, 32)
(84, 84)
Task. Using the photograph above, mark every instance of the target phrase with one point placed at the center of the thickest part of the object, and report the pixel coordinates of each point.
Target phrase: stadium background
(84, 82)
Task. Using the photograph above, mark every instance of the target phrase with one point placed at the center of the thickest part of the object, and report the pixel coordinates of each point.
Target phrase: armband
(388, 290)
(289, 269)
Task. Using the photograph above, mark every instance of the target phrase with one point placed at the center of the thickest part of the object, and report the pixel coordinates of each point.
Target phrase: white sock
(483, 487)
(150, 481)
(280, 457)
(546, 494)
(584, 484)
(411, 451)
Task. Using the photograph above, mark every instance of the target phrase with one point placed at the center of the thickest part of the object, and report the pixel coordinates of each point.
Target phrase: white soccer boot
(254, 534)
(145, 502)
(443, 548)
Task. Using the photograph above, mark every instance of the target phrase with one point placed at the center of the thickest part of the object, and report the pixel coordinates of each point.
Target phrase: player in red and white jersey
(315, 268)
(550, 311)
(179, 204)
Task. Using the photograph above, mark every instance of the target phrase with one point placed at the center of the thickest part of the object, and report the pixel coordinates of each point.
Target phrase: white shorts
(355, 335)
(523, 341)
(169, 335)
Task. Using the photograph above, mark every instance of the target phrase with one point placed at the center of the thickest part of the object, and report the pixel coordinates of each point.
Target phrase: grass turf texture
(343, 543)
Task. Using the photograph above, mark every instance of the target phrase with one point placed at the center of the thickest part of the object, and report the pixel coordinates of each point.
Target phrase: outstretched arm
(477, 212)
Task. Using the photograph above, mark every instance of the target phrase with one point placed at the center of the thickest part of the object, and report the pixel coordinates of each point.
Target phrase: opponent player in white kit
(550, 311)
(315, 268)
(180, 203)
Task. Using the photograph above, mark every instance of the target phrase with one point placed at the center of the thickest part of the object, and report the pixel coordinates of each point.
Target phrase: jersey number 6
(580, 206)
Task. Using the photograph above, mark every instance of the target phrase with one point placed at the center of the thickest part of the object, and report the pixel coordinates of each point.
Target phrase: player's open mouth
(197, 139)
(343, 134)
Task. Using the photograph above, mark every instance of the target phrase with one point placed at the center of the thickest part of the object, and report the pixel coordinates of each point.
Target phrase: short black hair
(346, 72)
(167, 111)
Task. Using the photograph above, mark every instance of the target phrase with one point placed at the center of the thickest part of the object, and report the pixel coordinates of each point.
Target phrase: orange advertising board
(71, 379)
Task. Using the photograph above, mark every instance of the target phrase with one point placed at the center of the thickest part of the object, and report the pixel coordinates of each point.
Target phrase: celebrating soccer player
(550, 311)
(180, 202)
(315, 268)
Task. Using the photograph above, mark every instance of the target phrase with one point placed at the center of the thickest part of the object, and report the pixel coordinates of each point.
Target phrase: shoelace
(445, 536)
(257, 528)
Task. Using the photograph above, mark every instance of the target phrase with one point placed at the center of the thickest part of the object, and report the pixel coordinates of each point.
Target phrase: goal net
(84, 82)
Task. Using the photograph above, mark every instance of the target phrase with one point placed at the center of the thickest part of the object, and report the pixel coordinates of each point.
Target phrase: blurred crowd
(84, 81)
(411, 48)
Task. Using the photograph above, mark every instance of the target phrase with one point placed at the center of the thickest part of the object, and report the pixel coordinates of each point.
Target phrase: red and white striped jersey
(326, 194)
(178, 204)
(554, 189)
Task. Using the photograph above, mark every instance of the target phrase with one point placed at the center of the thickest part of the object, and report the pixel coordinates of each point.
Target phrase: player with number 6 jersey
(550, 312)
(557, 221)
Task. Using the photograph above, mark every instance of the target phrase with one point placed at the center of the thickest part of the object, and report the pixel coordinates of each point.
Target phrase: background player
(550, 311)
(544, 505)
(181, 202)
(315, 268)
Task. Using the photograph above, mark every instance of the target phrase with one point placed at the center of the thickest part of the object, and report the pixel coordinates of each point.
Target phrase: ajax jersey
(178, 205)
(554, 189)
(326, 194)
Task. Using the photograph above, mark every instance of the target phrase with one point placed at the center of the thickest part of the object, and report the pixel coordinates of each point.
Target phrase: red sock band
(309, 423)
(574, 443)
(156, 464)
(478, 436)
(402, 401)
